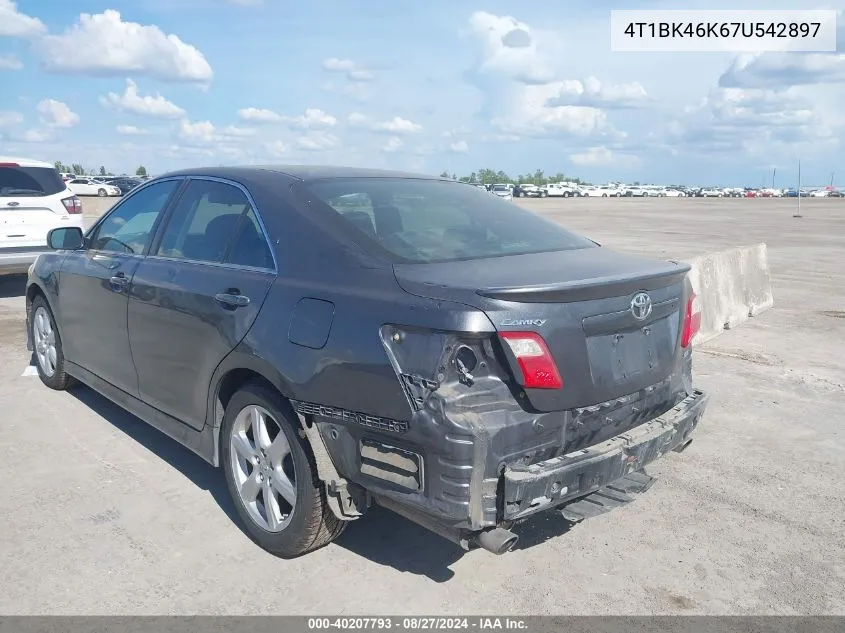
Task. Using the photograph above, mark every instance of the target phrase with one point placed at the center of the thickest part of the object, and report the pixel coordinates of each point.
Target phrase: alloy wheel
(45, 341)
(263, 468)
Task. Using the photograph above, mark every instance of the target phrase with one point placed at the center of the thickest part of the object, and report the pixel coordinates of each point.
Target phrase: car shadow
(196, 469)
(382, 536)
(12, 286)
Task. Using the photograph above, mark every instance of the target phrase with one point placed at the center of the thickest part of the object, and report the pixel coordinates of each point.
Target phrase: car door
(94, 284)
(197, 294)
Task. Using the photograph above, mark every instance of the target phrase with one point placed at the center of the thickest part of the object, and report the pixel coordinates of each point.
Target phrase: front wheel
(101, 193)
(47, 344)
(271, 475)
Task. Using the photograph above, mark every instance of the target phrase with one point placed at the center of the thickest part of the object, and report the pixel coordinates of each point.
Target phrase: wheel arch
(236, 370)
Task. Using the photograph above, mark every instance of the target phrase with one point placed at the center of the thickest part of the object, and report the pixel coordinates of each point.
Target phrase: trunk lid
(580, 302)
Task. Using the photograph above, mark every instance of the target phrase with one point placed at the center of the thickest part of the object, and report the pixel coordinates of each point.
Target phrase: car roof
(297, 172)
(25, 162)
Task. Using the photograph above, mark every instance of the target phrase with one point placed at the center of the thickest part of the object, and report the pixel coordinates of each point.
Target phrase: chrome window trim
(261, 226)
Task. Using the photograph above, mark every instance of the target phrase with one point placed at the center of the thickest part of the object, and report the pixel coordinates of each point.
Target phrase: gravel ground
(101, 514)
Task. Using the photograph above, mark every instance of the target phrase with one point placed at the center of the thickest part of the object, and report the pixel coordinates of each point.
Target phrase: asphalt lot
(101, 514)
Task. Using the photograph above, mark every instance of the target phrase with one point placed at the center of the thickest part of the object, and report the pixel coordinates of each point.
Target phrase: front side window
(418, 220)
(215, 223)
(128, 229)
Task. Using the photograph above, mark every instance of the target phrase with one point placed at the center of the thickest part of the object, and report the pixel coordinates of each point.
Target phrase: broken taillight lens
(73, 205)
(692, 321)
(539, 370)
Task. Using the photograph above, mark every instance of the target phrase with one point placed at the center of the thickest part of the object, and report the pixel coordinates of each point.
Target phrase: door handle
(232, 300)
(119, 280)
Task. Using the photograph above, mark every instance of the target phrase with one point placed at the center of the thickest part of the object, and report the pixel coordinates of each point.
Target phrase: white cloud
(131, 130)
(56, 114)
(35, 136)
(509, 49)
(156, 106)
(259, 115)
(104, 44)
(199, 133)
(9, 118)
(776, 69)
(592, 93)
(13, 23)
(603, 157)
(234, 132)
(396, 125)
(346, 66)
(313, 118)
(754, 122)
(519, 75)
(459, 147)
(393, 144)
(318, 141)
(10, 62)
(772, 70)
(277, 148)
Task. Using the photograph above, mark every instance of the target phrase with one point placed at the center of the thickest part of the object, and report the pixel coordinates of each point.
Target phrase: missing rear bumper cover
(396, 465)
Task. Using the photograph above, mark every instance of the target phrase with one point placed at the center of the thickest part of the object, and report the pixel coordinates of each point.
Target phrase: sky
(428, 86)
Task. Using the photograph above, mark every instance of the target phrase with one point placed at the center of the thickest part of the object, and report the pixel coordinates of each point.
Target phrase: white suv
(33, 200)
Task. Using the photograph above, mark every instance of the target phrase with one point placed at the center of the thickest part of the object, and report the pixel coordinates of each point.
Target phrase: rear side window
(417, 220)
(29, 181)
(214, 222)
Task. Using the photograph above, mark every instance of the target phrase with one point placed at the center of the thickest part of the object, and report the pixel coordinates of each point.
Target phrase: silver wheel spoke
(243, 448)
(271, 507)
(279, 449)
(259, 429)
(251, 487)
(284, 486)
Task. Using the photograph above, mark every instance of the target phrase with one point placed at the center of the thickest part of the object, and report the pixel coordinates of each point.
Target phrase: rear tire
(309, 523)
(47, 343)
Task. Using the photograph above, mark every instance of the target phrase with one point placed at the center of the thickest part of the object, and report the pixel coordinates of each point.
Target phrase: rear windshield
(29, 181)
(416, 220)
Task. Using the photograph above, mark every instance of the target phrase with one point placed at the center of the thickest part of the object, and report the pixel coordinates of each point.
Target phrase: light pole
(798, 213)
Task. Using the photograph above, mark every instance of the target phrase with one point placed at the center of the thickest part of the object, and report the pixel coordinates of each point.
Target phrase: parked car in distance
(336, 337)
(92, 187)
(533, 191)
(125, 184)
(502, 191)
(671, 192)
(33, 200)
(562, 191)
(711, 193)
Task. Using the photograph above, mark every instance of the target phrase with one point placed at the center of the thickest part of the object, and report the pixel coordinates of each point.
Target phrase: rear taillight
(692, 321)
(73, 205)
(535, 361)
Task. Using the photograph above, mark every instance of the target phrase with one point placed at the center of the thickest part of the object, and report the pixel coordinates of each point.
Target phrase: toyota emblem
(641, 306)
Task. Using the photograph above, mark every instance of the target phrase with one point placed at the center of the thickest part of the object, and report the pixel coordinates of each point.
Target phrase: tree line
(491, 176)
(78, 169)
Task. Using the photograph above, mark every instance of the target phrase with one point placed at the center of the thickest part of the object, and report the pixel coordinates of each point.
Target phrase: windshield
(500, 188)
(29, 181)
(415, 220)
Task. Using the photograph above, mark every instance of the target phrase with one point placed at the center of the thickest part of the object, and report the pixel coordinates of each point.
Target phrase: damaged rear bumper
(529, 489)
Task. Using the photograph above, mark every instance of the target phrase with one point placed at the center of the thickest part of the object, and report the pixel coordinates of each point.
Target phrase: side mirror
(68, 238)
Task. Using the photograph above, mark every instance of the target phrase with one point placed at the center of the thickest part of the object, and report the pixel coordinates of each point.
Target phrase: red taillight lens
(692, 321)
(73, 205)
(538, 367)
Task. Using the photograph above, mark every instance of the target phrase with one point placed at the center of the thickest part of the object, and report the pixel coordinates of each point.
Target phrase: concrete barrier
(732, 286)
